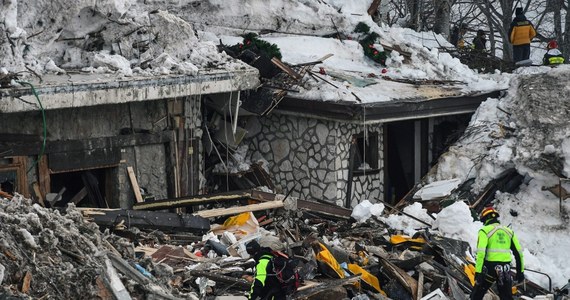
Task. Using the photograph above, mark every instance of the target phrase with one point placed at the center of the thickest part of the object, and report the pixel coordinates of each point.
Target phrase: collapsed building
(174, 144)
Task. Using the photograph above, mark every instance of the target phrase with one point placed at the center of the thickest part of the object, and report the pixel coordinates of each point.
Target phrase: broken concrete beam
(212, 213)
(148, 220)
(194, 200)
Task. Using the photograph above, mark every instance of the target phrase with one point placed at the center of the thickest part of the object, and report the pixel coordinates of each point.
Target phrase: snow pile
(527, 130)
(365, 209)
(407, 224)
(126, 37)
(162, 37)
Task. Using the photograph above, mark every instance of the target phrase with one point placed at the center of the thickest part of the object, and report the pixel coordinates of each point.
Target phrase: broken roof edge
(80, 90)
(382, 112)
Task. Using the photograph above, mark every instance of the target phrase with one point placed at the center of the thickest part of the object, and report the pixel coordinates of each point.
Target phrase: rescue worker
(520, 34)
(480, 41)
(457, 36)
(265, 285)
(553, 56)
(494, 245)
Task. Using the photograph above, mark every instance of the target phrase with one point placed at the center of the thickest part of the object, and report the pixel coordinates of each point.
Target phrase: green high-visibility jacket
(262, 270)
(495, 243)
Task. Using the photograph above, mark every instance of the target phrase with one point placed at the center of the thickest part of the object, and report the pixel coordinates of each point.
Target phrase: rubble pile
(52, 254)
(46, 254)
(43, 252)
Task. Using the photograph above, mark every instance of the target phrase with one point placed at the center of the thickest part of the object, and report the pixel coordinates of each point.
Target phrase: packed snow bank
(529, 130)
(122, 36)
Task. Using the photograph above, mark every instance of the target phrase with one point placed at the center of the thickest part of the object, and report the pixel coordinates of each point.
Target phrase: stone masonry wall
(312, 157)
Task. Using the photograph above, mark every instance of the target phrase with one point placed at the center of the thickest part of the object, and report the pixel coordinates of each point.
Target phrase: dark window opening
(365, 152)
(85, 188)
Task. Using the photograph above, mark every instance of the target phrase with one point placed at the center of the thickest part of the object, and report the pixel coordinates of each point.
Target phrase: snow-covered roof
(132, 40)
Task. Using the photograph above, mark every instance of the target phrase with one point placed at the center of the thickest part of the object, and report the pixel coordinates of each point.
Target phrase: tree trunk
(414, 9)
(442, 17)
(506, 19)
(556, 6)
(565, 42)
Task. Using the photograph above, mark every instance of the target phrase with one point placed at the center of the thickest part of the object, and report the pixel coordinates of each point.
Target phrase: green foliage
(362, 28)
(251, 42)
(370, 51)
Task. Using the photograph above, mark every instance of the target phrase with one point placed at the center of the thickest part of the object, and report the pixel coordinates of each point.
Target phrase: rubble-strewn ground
(46, 254)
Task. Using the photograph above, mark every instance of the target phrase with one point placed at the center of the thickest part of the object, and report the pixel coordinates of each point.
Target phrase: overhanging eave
(78, 90)
(382, 112)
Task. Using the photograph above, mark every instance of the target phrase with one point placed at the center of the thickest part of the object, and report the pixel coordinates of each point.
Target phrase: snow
(437, 189)
(481, 154)
(365, 209)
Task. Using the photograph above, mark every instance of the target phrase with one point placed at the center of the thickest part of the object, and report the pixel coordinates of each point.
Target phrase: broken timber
(135, 184)
(150, 287)
(237, 282)
(409, 283)
(305, 293)
(286, 68)
(148, 220)
(196, 200)
(326, 210)
(218, 212)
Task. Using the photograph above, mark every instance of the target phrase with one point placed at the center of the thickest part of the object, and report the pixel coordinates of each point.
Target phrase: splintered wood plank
(26, 282)
(135, 184)
(79, 196)
(373, 7)
(44, 175)
(102, 291)
(38, 192)
(286, 68)
(218, 212)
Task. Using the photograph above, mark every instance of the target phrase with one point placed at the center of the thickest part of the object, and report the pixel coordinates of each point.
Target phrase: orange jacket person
(520, 34)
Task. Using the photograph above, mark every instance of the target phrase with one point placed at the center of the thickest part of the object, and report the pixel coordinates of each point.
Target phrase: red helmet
(488, 213)
(552, 45)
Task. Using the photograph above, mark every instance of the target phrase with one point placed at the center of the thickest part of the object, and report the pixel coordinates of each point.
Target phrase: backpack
(286, 271)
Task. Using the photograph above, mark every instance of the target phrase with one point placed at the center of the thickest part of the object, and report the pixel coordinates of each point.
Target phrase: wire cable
(42, 150)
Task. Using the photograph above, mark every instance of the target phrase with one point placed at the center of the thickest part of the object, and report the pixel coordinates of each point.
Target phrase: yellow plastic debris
(370, 281)
(327, 261)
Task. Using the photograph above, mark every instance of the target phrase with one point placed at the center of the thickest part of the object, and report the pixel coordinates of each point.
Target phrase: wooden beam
(79, 196)
(326, 210)
(305, 293)
(373, 7)
(38, 193)
(286, 68)
(148, 220)
(393, 271)
(194, 200)
(44, 175)
(420, 292)
(239, 209)
(135, 185)
(242, 284)
(29, 148)
(26, 282)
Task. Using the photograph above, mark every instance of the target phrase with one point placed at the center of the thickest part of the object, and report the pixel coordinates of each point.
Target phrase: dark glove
(478, 278)
(520, 277)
